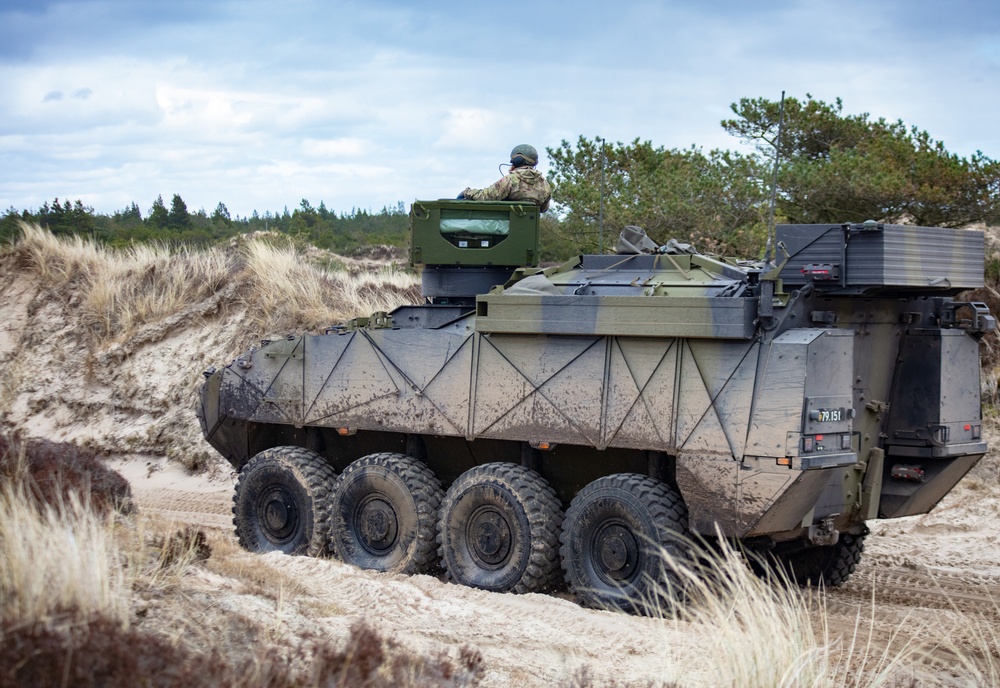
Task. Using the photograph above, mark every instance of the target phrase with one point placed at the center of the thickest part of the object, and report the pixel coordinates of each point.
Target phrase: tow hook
(824, 534)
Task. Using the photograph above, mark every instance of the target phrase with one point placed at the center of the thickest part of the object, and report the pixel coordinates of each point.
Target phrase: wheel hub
(616, 552)
(489, 537)
(278, 515)
(378, 526)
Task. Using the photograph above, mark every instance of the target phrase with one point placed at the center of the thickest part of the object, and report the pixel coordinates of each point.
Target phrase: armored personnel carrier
(523, 426)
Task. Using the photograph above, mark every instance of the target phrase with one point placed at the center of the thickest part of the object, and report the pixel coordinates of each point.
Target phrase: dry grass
(759, 631)
(57, 561)
(91, 599)
(14, 370)
(287, 293)
(72, 584)
(119, 291)
(765, 632)
(65, 553)
(260, 579)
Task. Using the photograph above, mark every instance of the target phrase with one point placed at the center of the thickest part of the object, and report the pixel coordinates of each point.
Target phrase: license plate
(828, 415)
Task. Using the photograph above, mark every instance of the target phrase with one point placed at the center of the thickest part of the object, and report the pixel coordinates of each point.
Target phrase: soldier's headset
(517, 160)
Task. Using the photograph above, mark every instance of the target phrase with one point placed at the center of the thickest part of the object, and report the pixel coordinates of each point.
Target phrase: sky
(261, 104)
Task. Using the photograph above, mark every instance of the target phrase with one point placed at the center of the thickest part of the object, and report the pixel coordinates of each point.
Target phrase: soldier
(522, 183)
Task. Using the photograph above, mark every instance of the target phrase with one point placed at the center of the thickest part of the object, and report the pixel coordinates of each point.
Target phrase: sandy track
(165, 489)
(524, 639)
(909, 572)
(969, 592)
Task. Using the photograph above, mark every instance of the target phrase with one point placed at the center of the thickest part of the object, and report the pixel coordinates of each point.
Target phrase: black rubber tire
(828, 565)
(612, 537)
(498, 529)
(384, 514)
(282, 502)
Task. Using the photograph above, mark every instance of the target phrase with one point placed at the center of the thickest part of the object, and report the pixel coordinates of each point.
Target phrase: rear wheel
(282, 502)
(616, 533)
(828, 565)
(499, 530)
(384, 514)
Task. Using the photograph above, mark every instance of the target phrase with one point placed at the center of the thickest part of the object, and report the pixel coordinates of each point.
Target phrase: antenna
(600, 221)
(774, 183)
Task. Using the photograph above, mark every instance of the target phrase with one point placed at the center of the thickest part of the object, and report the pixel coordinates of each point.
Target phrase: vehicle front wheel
(282, 502)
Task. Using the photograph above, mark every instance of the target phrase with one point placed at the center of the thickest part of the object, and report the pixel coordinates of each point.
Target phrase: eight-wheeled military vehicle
(526, 426)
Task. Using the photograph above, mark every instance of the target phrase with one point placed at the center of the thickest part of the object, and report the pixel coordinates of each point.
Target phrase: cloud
(335, 148)
(360, 104)
(468, 127)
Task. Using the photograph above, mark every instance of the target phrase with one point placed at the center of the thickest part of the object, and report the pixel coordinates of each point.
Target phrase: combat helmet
(524, 155)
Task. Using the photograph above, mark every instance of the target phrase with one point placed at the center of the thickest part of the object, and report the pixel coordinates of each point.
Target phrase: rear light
(834, 442)
(908, 472)
(821, 272)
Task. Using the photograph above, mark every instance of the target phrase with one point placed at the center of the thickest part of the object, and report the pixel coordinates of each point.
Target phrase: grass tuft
(764, 631)
(118, 291)
(57, 560)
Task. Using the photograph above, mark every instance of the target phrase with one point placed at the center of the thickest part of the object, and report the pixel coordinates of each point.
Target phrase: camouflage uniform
(520, 184)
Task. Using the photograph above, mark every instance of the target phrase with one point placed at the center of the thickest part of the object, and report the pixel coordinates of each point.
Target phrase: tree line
(833, 167)
(344, 233)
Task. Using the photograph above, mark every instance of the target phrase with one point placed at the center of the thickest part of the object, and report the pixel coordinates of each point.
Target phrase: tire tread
(664, 504)
(427, 493)
(544, 513)
(314, 472)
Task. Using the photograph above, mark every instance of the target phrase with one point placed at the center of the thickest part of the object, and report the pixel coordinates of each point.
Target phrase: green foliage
(347, 234)
(850, 168)
(555, 244)
(712, 199)
(9, 227)
(67, 218)
(158, 214)
(834, 168)
(178, 219)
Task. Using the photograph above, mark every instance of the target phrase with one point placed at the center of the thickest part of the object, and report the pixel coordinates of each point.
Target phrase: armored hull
(573, 420)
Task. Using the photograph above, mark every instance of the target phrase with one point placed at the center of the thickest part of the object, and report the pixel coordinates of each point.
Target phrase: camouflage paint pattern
(768, 426)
